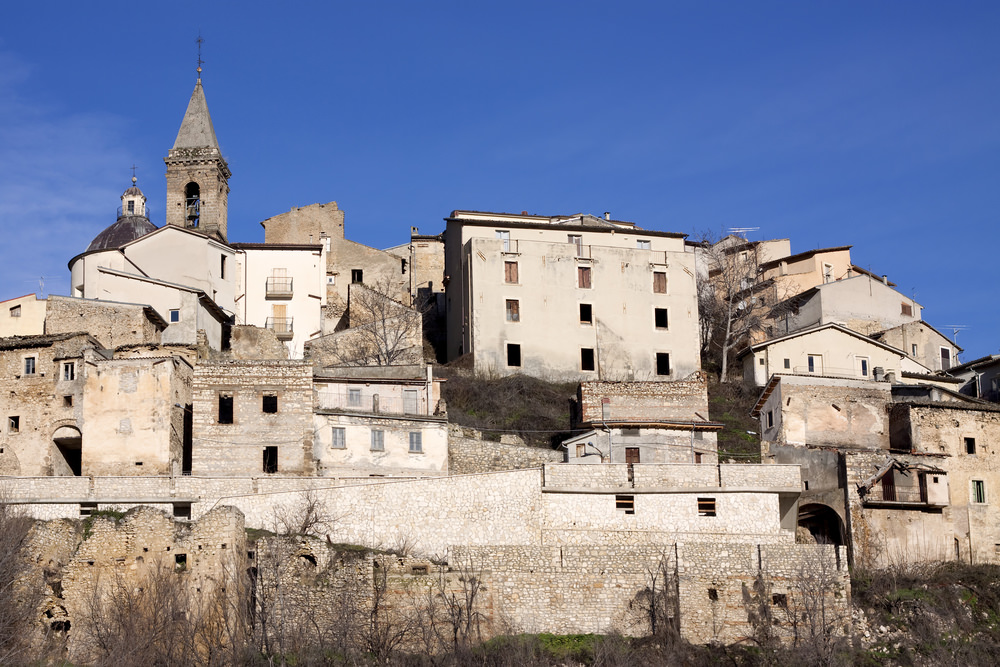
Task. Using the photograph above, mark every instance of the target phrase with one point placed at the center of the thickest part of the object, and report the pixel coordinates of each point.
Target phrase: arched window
(192, 198)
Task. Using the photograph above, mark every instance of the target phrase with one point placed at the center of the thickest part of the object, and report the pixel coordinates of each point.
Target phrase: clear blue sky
(875, 124)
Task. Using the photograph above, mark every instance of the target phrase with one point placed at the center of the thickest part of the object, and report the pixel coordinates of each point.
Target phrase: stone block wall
(113, 324)
(239, 448)
(468, 453)
(683, 399)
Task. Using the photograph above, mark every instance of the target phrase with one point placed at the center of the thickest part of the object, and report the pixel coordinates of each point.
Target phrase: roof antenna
(200, 61)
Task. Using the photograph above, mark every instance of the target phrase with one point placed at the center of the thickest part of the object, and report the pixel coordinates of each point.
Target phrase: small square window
(642, 244)
(339, 438)
(713, 594)
(180, 561)
(15, 311)
(225, 408)
(625, 504)
(970, 445)
(513, 310)
(583, 277)
(662, 363)
(353, 398)
(182, 510)
(67, 401)
(29, 365)
(69, 370)
(760, 361)
(357, 276)
(175, 316)
(660, 318)
(378, 440)
(14, 424)
(788, 363)
(706, 507)
(510, 273)
(586, 313)
(659, 282)
(780, 600)
(906, 309)
(269, 403)
(587, 359)
(978, 491)
(513, 355)
(416, 442)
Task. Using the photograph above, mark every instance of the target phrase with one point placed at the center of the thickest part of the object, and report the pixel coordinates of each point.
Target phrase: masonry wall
(112, 324)
(238, 449)
(469, 452)
(683, 399)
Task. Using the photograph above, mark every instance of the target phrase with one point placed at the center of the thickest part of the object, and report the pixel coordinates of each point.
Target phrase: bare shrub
(21, 585)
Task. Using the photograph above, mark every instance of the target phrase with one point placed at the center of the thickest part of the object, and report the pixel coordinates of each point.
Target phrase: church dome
(132, 222)
(126, 229)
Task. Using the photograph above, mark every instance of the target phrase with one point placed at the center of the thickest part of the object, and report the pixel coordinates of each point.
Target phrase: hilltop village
(206, 386)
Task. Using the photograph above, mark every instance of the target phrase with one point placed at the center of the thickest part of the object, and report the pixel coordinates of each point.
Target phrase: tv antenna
(955, 328)
(41, 285)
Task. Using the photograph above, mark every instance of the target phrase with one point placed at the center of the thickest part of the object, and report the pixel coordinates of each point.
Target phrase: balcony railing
(898, 495)
(279, 288)
(144, 214)
(338, 399)
(281, 326)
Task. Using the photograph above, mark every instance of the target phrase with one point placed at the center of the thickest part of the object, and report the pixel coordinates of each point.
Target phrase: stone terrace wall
(599, 588)
(680, 400)
(468, 452)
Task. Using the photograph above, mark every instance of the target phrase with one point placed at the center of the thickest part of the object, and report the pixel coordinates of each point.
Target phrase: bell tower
(197, 174)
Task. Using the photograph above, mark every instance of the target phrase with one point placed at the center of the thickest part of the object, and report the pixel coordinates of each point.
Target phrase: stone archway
(822, 524)
(67, 451)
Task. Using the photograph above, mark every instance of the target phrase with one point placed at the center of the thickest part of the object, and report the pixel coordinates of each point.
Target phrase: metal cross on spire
(200, 61)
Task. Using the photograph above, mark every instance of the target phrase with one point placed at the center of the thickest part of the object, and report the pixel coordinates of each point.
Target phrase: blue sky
(872, 124)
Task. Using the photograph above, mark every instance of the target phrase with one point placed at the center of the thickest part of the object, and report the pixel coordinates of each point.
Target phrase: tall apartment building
(570, 297)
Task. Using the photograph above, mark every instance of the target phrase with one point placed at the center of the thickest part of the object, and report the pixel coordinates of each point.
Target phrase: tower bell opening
(192, 198)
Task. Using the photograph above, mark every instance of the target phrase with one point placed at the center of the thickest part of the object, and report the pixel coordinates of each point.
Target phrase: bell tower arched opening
(192, 204)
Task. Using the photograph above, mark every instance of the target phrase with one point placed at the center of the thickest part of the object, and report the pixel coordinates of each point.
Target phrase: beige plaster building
(922, 343)
(570, 298)
(22, 316)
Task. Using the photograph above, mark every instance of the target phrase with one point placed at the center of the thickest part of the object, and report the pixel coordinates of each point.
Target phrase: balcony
(281, 326)
(278, 288)
(888, 495)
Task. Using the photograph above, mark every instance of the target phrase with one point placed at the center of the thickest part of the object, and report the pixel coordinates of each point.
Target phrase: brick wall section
(468, 452)
(238, 448)
(113, 324)
(682, 400)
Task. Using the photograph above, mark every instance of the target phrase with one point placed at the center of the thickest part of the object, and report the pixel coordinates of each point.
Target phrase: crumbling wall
(469, 452)
(113, 324)
(685, 400)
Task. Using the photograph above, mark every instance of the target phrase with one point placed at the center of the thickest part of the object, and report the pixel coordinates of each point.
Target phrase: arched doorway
(67, 450)
(823, 523)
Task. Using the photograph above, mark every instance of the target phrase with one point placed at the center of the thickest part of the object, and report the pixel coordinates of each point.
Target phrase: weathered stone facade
(113, 324)
(469, 452)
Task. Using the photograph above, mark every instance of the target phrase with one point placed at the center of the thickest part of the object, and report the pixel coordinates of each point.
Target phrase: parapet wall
(468, 453)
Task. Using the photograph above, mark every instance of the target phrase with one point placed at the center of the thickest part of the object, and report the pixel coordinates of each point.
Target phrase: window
(357, 276)
(192, 199)
(863, 367)
(913, 350)
(906, 309)
(631, 432)
(978, 491)
(225, 408)
(641, 244)
(416, 442)
(181, 511)
(587, 359)
(581, 451)
(505, 237)
(353, 398)
(625, 504)
(770, 419)
(760, 361)
(510, 273)
(583, 277)
(576, 240)
(513, 310)
(945, 358)
(706, 507)
(659, 282)
(780, 600)
(827, 273)
(67, 401)
(513, 354)
(175, 316)
(69, 370)
(660, 318)
(15, 311)
(270, 464)
(697, 457)
(586, 313)
(269, 403)
(180, 561)
(713, 594)
(788, 363)
(339, 440)
(29, 365)
(662, 363)
(815, 362)
(970, 445)
(378, 440)
(222, 267)
(13, 424)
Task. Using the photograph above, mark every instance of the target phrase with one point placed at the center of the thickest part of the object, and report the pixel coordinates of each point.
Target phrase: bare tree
(731, 302)
(657, 605)
(20, 585)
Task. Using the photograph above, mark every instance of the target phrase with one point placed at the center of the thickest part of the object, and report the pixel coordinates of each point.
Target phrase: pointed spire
(196, 128)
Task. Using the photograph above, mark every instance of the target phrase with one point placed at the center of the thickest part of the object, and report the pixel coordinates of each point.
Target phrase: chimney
(885, 279)
(878, 373)
(890, 377)
(607, 215)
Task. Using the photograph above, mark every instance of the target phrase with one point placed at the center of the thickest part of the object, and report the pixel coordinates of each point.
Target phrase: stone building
(622, 298)
(896, 472)
(923, 343)
(644, 422)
